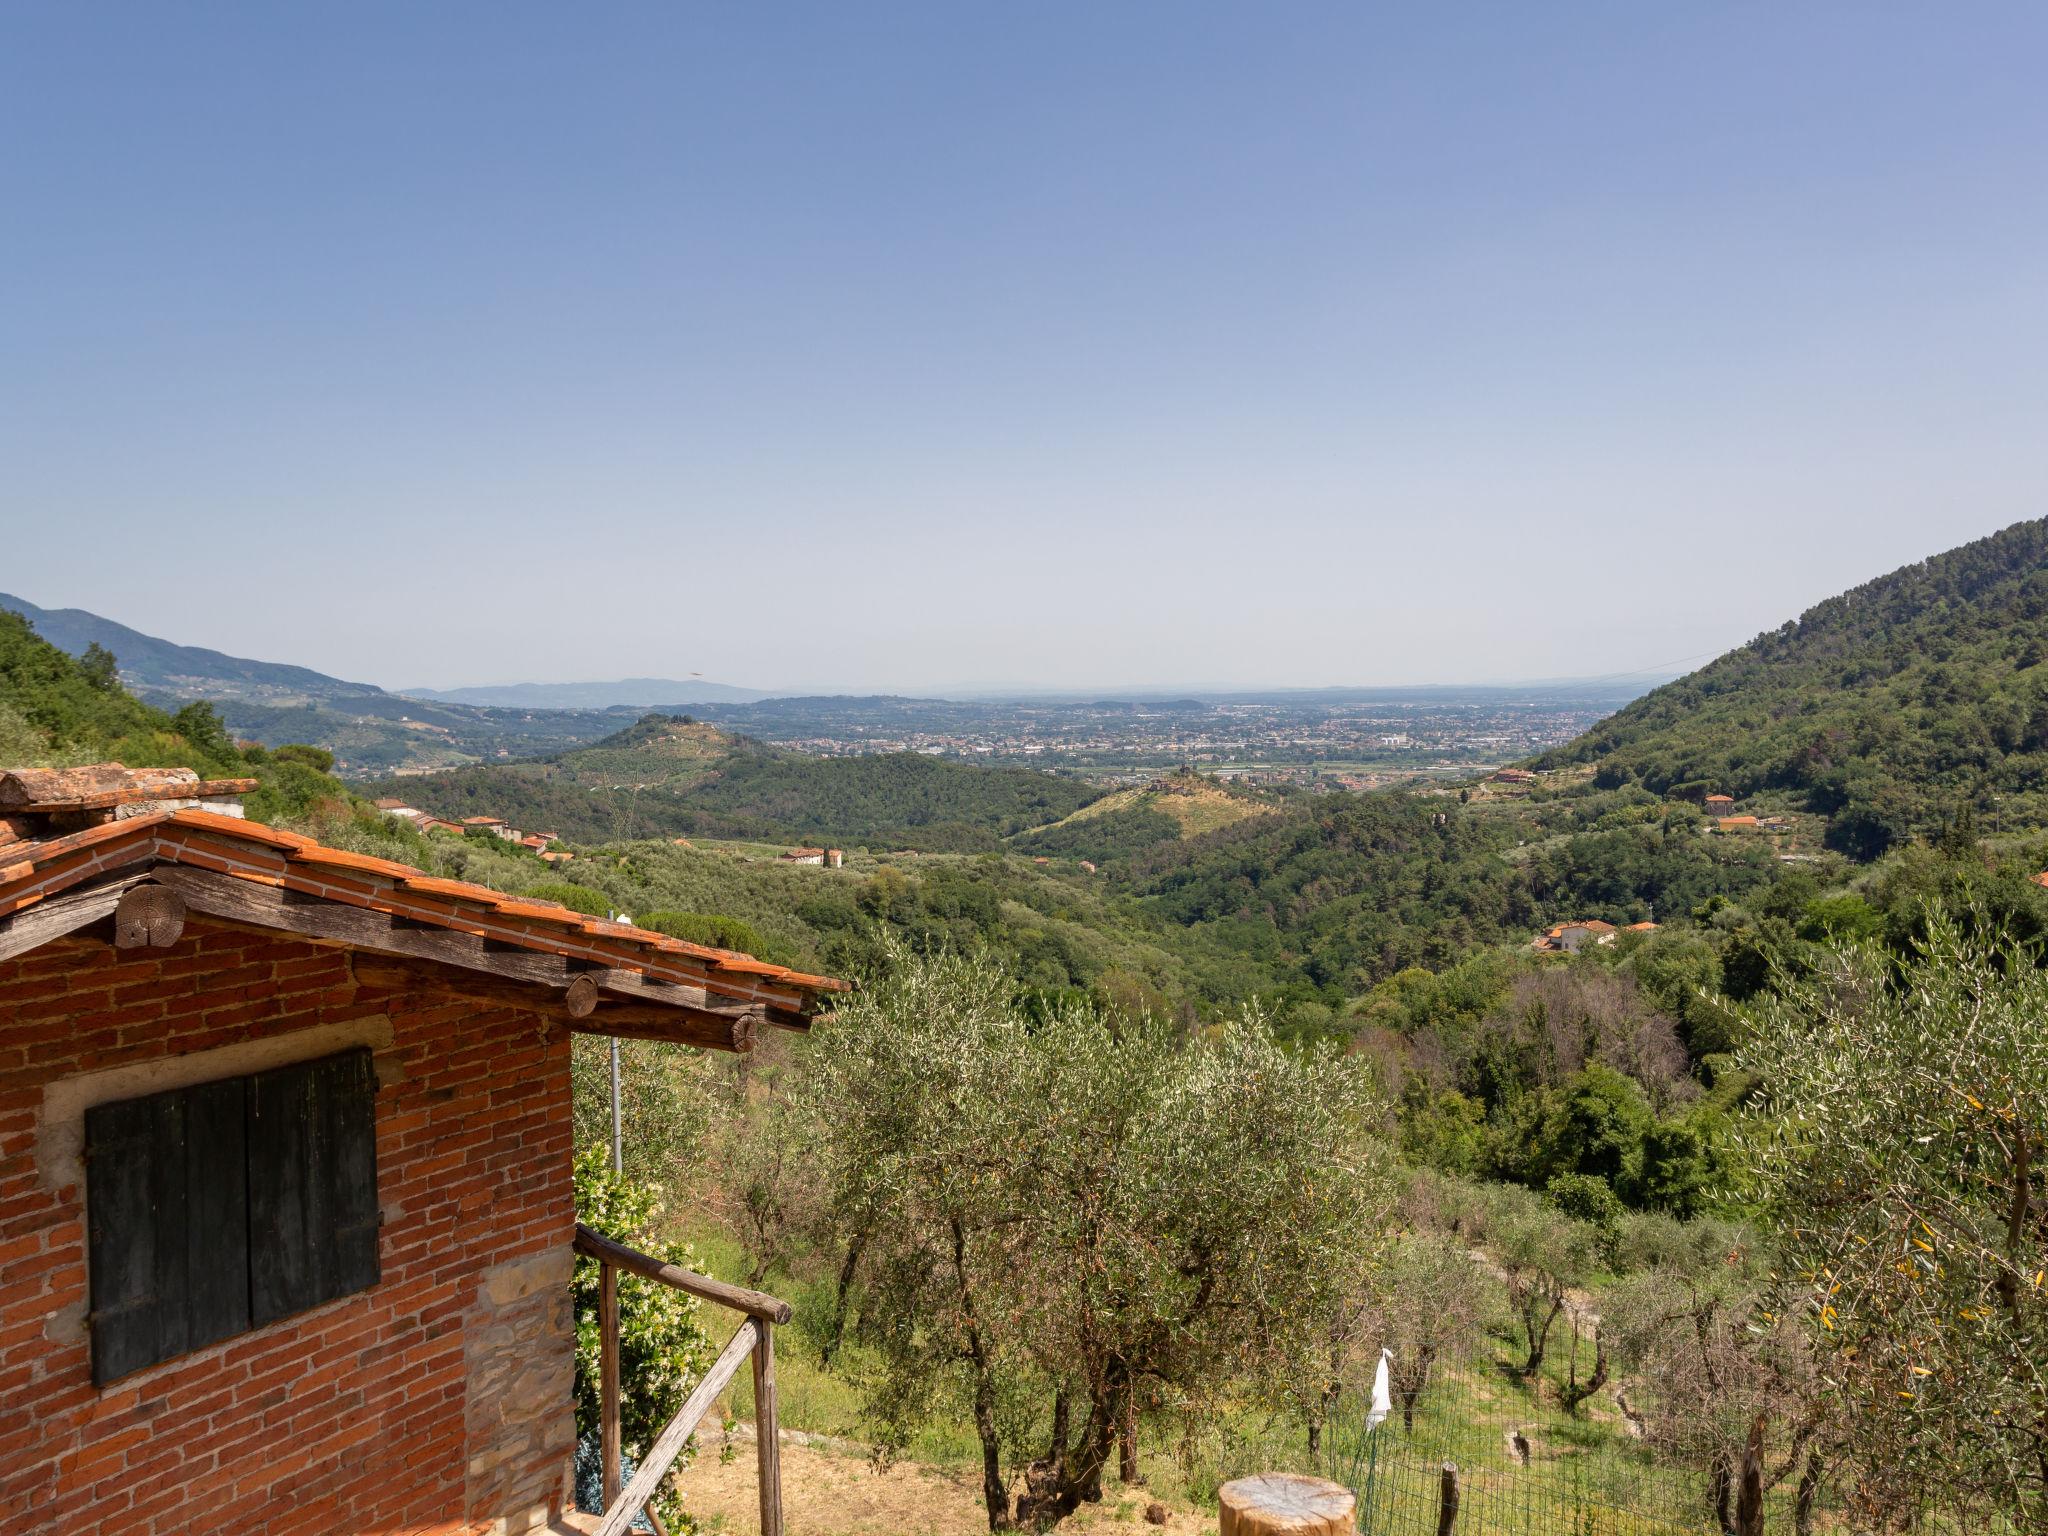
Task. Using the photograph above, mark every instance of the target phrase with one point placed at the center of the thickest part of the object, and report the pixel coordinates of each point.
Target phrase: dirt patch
(831, 1489)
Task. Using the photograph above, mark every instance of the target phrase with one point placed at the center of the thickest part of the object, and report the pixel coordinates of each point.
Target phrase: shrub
(577, 898)
(663, 1349)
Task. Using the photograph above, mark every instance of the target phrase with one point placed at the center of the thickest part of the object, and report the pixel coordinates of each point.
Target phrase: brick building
(285, 1200)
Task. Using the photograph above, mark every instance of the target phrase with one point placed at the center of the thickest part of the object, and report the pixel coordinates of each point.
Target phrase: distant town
(1349, 740)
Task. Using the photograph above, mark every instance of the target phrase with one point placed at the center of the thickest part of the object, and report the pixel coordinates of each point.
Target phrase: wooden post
(1285, 1504)
(767, 1442)
(1447, 1499)
(608, 1379)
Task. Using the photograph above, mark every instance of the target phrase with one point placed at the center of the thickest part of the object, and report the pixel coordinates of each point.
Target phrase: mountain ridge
(149, 663)
(621, 693)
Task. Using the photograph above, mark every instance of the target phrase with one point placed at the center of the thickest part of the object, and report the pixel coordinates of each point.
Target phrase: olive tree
(1066, 1214)
(1708, 1354)
(1429, 1302)
(1901, 1158)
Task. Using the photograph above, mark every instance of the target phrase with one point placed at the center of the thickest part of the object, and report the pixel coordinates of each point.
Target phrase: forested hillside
(1888, 709)
(57, 711)
(673, 776)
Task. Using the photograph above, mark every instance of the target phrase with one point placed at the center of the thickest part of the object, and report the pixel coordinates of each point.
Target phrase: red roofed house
(1720, 805)
(286, 1214)
(1570, 938)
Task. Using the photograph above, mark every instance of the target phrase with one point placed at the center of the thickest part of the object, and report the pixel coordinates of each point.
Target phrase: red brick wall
(352, 1417)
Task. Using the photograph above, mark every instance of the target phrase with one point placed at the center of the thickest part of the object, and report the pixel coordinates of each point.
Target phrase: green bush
(319, 759)
(718, 932)
(577, 898)
(663, 1348)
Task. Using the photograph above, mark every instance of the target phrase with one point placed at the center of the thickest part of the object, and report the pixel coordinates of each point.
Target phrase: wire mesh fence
(1524, 1466)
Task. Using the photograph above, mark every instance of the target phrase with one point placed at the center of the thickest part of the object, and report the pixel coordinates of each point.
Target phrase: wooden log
(149, 916)
(608, 1379)
(668, 1445)
(595, 1245)
(767, 1440)
(1285, 1504)
(580, 1001)
(1447, 1499)
(721, 1029)
(55, 916)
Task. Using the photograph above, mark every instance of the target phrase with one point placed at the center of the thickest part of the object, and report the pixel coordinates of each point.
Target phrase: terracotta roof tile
(540, 912)
(341, 858)
(240, 827)
(456, 890)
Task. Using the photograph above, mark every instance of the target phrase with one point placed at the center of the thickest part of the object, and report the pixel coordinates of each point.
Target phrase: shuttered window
(221, 1207)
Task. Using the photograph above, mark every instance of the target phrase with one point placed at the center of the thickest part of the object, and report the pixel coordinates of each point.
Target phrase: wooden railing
(755, 1337)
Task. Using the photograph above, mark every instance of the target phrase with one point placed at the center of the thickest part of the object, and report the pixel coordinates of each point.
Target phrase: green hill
(671, 776)
(1129, 821)
(367, 730)
(1890, 710)
(57, 710)
(184, 671)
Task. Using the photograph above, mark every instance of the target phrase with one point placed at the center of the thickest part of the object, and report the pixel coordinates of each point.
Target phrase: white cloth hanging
(1382, 1393)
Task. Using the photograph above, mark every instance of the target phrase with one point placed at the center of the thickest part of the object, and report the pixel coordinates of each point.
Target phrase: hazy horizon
(953, 351)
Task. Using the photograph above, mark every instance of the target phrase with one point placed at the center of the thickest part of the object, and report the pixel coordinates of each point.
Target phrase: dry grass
(833, 1490)
(1197, 805)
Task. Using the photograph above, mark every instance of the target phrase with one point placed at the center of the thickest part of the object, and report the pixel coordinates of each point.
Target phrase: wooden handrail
(668, 1445)
(759, 1304)
(756, 1337)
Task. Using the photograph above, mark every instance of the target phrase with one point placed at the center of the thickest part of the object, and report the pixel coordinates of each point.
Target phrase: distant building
(1720, 805)
(1640, 928)
(1570, 938)
(1739, 824)
(400, 811)
(1514, 776)
(801, 856)
(1087, 867)
(492, 825)
(834, 858)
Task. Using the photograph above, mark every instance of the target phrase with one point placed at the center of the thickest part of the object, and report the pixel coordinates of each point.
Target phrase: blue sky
(926, 347)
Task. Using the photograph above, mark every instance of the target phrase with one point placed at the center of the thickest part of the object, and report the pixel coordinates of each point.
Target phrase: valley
(1567, 990)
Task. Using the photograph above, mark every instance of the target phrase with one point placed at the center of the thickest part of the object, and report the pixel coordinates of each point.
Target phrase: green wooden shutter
(167, 1225)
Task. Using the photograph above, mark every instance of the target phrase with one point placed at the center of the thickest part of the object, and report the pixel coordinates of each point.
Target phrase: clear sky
(920, 347)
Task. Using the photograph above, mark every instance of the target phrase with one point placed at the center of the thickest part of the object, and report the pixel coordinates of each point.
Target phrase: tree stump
(1285, 1504)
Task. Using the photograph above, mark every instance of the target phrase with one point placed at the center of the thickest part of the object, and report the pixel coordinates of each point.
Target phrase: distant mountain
(626, 693)
(671, 776)
(1908, 703)
(148, 664)
(368, 730)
